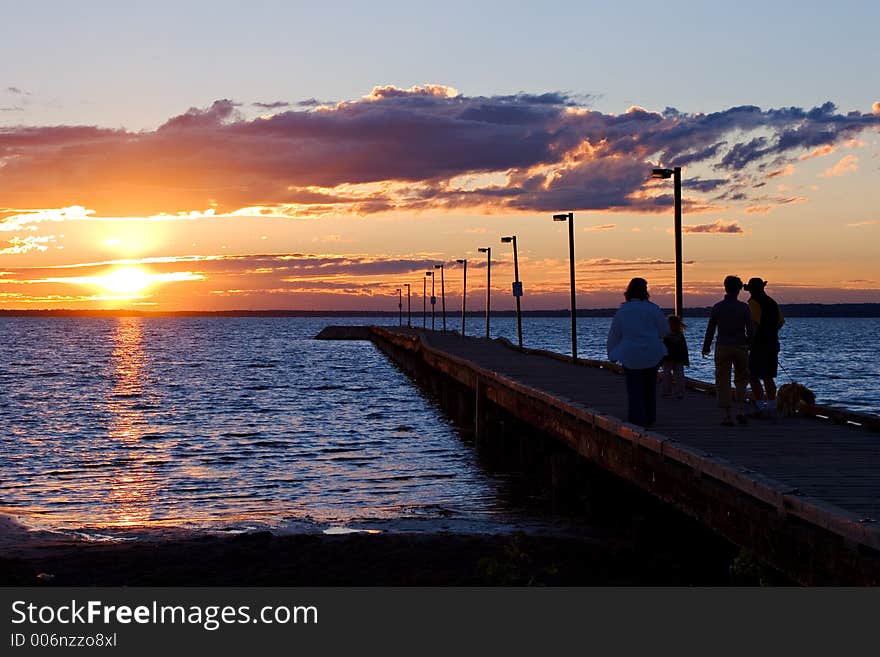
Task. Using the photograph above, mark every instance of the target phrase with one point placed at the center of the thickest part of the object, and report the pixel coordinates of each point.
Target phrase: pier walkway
(802, 492)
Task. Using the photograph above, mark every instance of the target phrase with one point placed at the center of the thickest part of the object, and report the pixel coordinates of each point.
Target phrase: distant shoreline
(840, 310)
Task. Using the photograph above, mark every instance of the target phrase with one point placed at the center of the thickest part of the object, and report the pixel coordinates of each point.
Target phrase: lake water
(110, 425)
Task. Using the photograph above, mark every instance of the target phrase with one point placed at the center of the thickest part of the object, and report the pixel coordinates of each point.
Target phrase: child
(675, 359)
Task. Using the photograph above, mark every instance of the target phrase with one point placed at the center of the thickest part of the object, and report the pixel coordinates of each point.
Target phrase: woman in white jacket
(635, 340)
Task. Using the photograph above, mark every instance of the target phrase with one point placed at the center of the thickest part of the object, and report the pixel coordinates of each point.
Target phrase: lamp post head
(484, 249)
(438, 266)
(561, 217)
(506, 240)
(429, 273)
(661, 173)
(461, 262)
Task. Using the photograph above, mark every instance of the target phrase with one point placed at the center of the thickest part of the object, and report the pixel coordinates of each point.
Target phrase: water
(120, 423)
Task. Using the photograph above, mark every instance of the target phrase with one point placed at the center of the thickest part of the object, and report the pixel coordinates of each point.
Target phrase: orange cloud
(818, 152)
(717, 227)
(847, 164)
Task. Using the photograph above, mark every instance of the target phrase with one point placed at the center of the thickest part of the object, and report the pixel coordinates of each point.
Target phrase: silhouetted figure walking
(635, 340)
(734, 323)
(764, 351)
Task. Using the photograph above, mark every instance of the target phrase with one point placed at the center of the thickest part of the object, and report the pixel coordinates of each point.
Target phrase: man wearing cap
(764, 352)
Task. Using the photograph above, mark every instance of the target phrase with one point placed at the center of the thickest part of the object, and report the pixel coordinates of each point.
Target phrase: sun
(125, 280)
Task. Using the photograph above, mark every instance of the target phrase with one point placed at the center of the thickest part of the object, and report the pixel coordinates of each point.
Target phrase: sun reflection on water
(132, 486)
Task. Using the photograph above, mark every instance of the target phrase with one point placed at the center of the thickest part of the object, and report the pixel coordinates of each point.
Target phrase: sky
(317, 156)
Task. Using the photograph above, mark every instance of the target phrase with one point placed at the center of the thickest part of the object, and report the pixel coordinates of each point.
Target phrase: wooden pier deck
(803, 492)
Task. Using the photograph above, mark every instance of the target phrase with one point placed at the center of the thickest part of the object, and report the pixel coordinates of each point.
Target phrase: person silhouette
(676, 358)
(764, 351)
(733, 321)
(635, 340)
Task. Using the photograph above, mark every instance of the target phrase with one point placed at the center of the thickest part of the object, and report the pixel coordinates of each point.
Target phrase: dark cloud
(703, 184)
(276, 264)
(545, 152)
(195, 118)
(275, 105)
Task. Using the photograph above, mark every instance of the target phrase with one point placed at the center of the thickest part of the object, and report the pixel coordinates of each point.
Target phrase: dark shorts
(763, 361)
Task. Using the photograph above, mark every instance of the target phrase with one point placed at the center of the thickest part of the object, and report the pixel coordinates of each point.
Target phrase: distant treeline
(789, 310)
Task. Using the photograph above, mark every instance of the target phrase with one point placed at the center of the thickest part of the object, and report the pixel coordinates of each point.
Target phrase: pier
(801, 493)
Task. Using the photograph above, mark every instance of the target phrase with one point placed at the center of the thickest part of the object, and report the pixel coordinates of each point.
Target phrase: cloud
(859, 224)
(787, 170)
(716, 226)
(18, 245)
(273, 105)
(602, 227)
(818, 152)
(847, 164)
(875, 108)
(407, 150)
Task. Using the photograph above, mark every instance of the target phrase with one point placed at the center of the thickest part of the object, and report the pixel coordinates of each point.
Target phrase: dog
(789, 398)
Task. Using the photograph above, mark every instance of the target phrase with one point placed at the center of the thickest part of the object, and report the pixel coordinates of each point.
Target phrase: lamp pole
(569, 216)
(442, 295)
(517, 287)
(488, 251)
(675, 174)
(408, 305)
(433, 299)
(424, 307)
(463, 293)
(399, 307)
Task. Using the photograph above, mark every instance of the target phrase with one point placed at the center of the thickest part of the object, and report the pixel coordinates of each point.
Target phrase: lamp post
(463, 293)
(488, 251)
(408, 305)
(442, 295)
(517, 287)
(675, 174)
(399, 307)
(569, 216)
(424, 307)
(433, 298)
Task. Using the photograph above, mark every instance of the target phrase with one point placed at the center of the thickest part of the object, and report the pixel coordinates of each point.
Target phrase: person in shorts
(764, 349)
(731, 318)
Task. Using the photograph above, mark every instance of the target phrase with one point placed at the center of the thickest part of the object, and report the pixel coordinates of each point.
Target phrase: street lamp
(408, 305)
(675, 174)
(569, 216)
(463, 293)
(517, 287)
(424, 307)
(399, 307)
(433, 298)
(442, 295)
(488, 251)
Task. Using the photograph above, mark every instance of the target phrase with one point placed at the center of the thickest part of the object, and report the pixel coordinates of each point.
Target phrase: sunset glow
(126, 280)
(335, 191)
